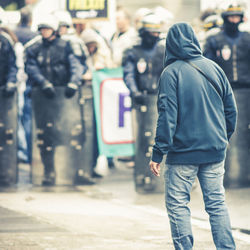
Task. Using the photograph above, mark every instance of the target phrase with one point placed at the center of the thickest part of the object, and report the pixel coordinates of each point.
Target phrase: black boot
(83, 178)
(47, 157)
(49, 179)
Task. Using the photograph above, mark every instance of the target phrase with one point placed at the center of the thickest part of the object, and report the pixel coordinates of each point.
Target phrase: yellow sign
(86, 4)
(88, 9)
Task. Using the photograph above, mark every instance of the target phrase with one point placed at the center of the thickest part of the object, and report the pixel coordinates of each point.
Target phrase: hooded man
(196, 119)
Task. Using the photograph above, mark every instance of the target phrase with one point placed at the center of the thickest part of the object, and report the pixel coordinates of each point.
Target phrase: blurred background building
(179, 10)
(182, 9)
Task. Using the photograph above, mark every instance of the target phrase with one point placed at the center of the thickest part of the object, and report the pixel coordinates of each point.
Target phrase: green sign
(113, 113)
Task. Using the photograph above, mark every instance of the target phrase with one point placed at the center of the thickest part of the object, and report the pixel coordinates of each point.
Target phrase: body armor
(52, 60)
(148, 68)
(233, 58)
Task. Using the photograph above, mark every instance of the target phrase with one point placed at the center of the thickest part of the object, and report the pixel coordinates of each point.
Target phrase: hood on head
(181, 44)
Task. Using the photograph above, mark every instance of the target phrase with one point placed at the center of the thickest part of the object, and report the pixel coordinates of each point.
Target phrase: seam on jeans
(178, 237)
(174, 216)
(177, 229)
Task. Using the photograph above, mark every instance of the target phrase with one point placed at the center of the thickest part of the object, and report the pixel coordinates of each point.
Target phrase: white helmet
(212, 21)
(49, 22)
(64, 18)
(139, 14)
(151, 23)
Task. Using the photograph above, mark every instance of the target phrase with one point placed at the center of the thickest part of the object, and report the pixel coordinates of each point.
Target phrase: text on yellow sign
(86, 4)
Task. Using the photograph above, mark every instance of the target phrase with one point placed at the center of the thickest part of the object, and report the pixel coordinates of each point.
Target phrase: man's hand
(155, 168)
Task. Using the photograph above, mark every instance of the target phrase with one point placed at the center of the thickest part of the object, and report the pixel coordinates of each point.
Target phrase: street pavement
(107, 216)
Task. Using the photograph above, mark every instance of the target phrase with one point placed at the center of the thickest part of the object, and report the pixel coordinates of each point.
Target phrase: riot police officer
(50, 63)
(142, 65)
(230, 48)
(8, 114)
(66, 32)
(80, 50)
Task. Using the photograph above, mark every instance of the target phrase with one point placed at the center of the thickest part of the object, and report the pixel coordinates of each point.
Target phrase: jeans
(178, 185)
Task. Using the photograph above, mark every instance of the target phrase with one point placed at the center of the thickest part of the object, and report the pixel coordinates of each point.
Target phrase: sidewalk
(238, 200)
(108, 216)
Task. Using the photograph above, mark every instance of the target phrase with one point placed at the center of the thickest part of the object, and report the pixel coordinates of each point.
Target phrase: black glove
(9, 89)
(48, 90)
(138, 97)
(71, 89)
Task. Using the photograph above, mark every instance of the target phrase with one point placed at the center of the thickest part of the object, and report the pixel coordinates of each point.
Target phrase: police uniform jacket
(8, 68)
(52, 61)
(232, 54)
(142, 68)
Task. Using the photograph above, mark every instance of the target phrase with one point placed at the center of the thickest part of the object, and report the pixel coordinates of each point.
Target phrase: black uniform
(142, 68)
(233, 55)
(8, 68)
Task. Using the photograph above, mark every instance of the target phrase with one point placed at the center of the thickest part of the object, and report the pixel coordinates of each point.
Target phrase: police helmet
(49, 22)
(151, 23)
(64, 18)
(212, 22)
(233, 10)
(139, 14)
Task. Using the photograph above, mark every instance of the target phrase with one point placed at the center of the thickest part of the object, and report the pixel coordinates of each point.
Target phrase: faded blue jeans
(178, 184)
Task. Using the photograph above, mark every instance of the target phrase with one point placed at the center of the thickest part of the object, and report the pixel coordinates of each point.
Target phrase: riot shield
(58, 136)
(8, 139)
(87, 112)
(144, 126)
(237, 165)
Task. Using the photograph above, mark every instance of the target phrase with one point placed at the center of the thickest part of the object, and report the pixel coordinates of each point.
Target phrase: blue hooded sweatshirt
(195, 120)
